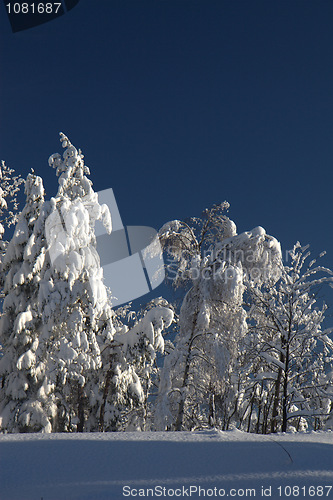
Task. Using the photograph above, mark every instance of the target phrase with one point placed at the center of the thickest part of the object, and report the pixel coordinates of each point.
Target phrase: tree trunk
(105, 394)
(278, 382)
(212, 413)
(275, 411)
(285, 395)
(80, 408)
(180, 415)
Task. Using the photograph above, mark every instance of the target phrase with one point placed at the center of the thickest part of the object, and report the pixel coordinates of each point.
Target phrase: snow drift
(95, 466)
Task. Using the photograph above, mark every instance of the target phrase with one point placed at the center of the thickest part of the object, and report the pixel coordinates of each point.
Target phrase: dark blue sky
(179, 104)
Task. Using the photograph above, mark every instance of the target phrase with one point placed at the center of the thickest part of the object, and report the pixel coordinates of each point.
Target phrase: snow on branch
(151, 326)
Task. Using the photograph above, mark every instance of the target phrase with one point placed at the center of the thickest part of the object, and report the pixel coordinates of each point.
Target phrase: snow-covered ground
(163, 465)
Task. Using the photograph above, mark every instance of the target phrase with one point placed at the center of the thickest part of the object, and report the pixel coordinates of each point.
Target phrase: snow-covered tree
(9, 187)
(209, 255)
(72, 297)
(286, 371)
(129, 368)
(23, 404)
(186, 243)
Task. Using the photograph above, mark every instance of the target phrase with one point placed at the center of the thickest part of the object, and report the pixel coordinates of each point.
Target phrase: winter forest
(245, 343)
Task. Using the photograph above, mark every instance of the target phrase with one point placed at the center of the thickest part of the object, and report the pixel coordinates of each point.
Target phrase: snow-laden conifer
(25, 406)
(9, 187)
(129, 368)
(72, 297)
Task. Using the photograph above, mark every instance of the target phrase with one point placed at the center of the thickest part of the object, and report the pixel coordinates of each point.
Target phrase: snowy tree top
(71, 170)
(9, 186)
(33, 187)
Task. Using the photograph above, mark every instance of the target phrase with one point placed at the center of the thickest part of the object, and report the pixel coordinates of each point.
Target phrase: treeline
(246, 344)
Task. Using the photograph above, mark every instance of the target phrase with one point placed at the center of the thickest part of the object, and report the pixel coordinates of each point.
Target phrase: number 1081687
(304, 491)
(33, 8)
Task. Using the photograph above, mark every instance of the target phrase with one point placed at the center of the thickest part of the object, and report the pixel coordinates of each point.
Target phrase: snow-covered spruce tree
(287, 369)
(101, 369)
(9, 187)
(129, 368)
(72, 297)
(24, 403)
(212, 321)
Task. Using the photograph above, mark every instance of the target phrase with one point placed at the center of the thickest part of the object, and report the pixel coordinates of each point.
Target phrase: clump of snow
(22, 320)
(150, 326)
